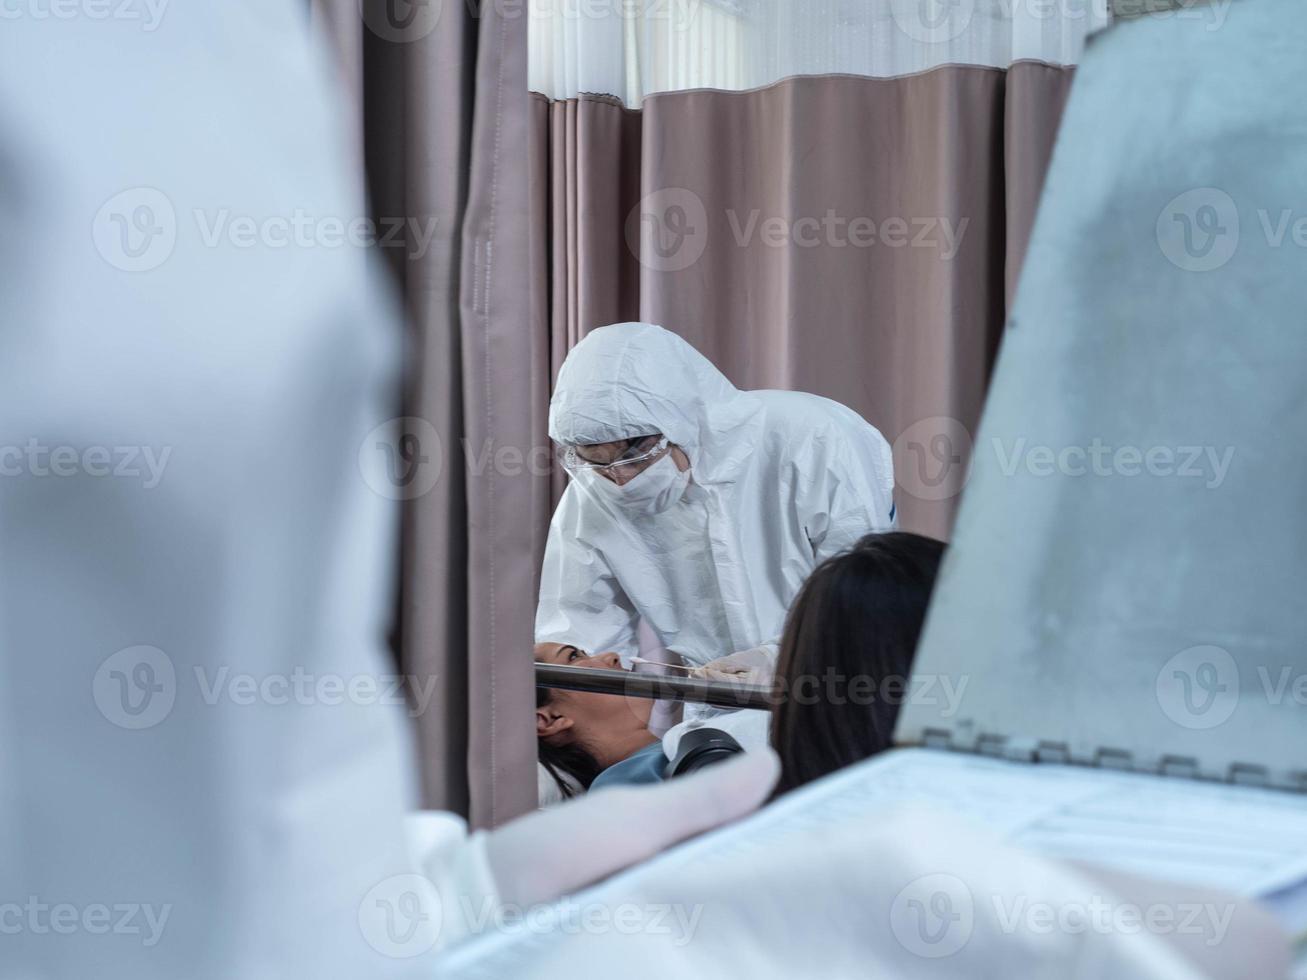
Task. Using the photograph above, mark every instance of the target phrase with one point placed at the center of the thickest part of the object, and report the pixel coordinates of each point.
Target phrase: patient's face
(565, 653)
(593, 716)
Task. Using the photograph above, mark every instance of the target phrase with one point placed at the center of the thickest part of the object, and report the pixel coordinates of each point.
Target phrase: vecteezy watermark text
(137, 687)
(834, 687)
(935, 915)
(305, 688)
(833, 230)
(573, 918)
(148, 13)
(1103, 460)
(302, 229)
(934, 457)
(404, 916)
(35, 458)
(40, 918)
(1104, 916)
(137, 230)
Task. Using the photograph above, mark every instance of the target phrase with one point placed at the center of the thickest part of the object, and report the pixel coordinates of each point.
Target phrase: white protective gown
(192, 542)
(779, 481)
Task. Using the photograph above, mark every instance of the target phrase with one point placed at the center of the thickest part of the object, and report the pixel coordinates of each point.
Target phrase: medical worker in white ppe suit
(220, 835)
(152, 829)
(693, 505)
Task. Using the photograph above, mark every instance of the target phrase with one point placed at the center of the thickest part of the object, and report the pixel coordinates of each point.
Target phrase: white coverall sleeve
(581, 601)
(846, 489)
(462, 883)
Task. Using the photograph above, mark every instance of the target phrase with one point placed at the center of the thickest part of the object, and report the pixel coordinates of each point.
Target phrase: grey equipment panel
(1128, 579)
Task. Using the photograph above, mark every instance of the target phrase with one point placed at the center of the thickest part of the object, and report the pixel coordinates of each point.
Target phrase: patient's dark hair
(564, 761)
(846, 654)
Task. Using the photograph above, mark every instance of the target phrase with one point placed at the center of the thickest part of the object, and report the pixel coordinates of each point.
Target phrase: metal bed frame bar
(719, 694)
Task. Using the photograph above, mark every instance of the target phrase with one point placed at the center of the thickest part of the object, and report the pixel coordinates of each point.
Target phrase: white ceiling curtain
(634, 48)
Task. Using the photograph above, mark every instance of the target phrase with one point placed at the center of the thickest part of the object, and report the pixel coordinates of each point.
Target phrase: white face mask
(651, 491)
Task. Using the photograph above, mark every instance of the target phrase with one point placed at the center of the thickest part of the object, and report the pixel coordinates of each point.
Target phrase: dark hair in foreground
(846, 654)
(565, 762)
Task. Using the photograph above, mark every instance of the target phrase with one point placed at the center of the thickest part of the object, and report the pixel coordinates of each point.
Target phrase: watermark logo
(136, 687)
(136, 230)
(1198, 688)
(401, 21)
(401, 916)
(1198, 231)
(402, 459)
(933, 916)
(933, 21)
(932, 458)
(667, 230)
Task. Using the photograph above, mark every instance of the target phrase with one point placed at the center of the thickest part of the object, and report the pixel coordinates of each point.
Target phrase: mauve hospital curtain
(826, 196)
(440, 95)
(661, 169)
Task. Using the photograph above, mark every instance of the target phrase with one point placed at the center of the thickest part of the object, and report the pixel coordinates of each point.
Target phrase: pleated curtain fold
(856, 237)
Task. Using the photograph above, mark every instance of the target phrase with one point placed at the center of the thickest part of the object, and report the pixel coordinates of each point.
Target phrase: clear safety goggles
(641, 449)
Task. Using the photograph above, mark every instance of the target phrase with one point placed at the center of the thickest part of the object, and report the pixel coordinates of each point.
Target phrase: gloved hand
(754, 666)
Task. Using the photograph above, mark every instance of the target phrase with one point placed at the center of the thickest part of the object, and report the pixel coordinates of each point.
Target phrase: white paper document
(1241, 839)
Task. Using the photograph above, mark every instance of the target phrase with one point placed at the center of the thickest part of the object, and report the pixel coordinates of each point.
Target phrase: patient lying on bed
(582, 736)
(843, 673)
(593, 741)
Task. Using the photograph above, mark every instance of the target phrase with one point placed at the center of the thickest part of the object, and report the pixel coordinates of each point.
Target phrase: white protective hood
(635, 379)
(779, 481)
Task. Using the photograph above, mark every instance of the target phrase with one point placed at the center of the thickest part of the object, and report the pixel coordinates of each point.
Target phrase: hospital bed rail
(720, 694)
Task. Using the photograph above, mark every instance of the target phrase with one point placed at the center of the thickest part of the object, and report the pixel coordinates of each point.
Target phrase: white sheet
(865, 837)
